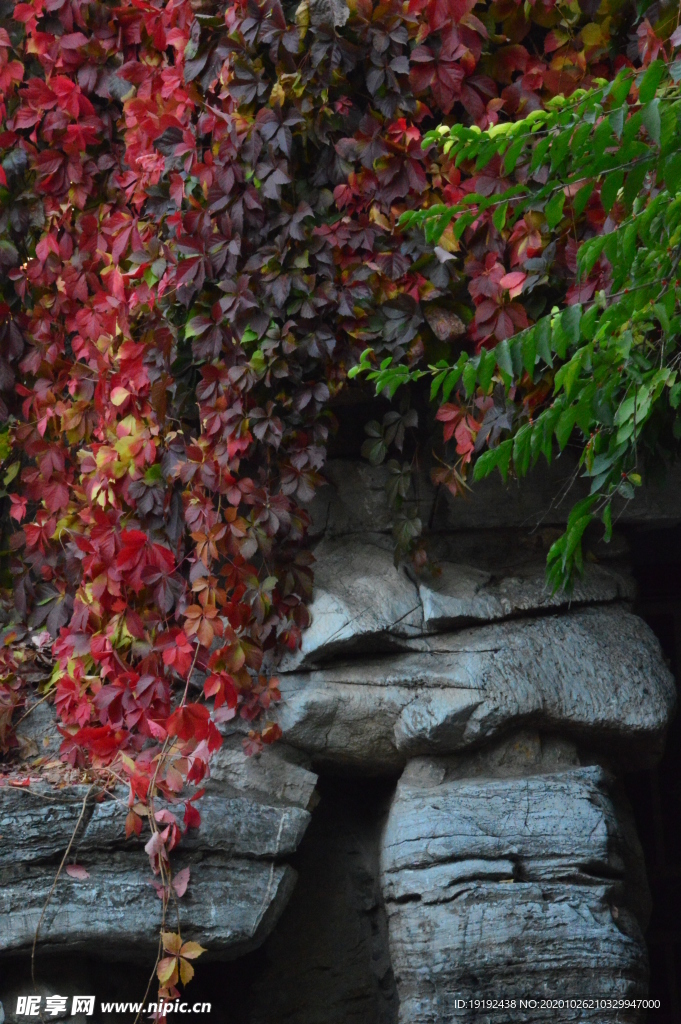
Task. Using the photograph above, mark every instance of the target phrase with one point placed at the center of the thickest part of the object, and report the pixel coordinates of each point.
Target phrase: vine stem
(56, 879)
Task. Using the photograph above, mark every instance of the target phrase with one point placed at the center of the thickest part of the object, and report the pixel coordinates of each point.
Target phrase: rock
(273, 774)
(355, 501)
(509, 886)
(364, 604)
(13, 987)
(333, 13)
(462, 594)
(230, 906)
(596, 673)
(37, 734)
(361, 602)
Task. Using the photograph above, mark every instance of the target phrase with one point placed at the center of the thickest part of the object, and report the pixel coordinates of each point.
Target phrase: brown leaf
(444, 324)
(186, 971)
(172, 942)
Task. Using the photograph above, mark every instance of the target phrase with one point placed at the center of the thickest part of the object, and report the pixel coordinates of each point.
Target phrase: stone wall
(469, 837)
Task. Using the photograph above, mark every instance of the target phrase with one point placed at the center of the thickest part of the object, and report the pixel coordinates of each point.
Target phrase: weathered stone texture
(511, 886)
(597, 673)
(233, 900)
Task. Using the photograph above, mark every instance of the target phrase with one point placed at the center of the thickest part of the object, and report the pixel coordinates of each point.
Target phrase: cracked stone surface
(363, 603)
(233, 901)
(595, 673)
(516, 884)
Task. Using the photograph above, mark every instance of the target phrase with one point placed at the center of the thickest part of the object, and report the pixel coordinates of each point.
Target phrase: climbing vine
(202, 228)
(602, 367)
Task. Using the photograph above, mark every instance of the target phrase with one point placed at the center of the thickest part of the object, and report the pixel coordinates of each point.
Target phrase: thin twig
(56, 879)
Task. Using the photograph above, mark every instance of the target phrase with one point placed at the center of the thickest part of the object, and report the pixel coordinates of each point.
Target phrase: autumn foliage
(199, 235)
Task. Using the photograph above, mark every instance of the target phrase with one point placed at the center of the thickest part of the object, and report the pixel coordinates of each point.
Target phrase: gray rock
(512, 887)
(331, 13)
(355, 501)
(462, 594)
(364, 604)
(37, 734)
(272, 775)
(361, 602)
(597, 673)
(230, 906)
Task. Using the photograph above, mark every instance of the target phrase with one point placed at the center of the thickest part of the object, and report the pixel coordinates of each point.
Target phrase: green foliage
(609, 364)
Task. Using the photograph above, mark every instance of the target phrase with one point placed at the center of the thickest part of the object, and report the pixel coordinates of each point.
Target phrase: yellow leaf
(591, 34)
(171, 942)
(278, 95)
(447, 240)
(167, 970)
(186, 971)
(192, 950)
(119, 395)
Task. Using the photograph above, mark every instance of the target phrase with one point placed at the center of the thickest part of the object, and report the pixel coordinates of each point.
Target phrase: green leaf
(454, 376)
(514, 151)
(587, 324)
(542, 333)
(559, 150)
(529, 352)
(486, 368)
(672, 173)
(589, 253)
(565, 426)
(650, 81)
(499, 216)
(573, 539)
(633, 183)
(539, 154)
(650, 115)
(503, 357)
(616, 118)
(464, 221)
(469, 378)
(521, 449)
(582, 198)
(620, 87)
(607, 522)
(554, 209)
(566, 329)
(374, 450)
(611, 186)
(435, 385)
(496, 458)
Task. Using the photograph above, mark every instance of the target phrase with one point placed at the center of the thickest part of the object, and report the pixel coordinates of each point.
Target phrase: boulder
(463, 594)
(596, 673)
(512, 886)
(363, 603)
(230, 906)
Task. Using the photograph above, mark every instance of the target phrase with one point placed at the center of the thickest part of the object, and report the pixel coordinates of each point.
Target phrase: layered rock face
(504, 865)
(253, 817)
(509, 866)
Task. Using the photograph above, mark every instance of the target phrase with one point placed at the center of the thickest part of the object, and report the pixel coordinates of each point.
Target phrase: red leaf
(189, 722)
(77, 871)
